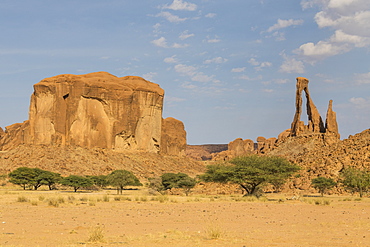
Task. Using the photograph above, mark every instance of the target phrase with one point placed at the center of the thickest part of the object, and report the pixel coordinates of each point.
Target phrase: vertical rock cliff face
(94, 110)
(173, 140)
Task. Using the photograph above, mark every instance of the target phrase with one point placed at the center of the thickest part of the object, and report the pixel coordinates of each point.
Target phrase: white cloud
(156, 28)
(210, 15)
(149, 76)
(185, 35)
(363, 78)
(321, 50)
(350, 21)
(360, 103)
(172, 59)
(170, 99)
(253, 62)
(259, 65)
(216, 60)
(201, 77)
(180, 5)
(281, 81)
(170, 17)
(291, 65)
(238, 70)
(268, 90)
(284, 23)
(214, 40)
(194, 74)
(185, 69)
(161, 42)
(176, 45)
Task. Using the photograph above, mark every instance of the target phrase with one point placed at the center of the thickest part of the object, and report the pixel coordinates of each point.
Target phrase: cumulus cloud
(215, 60)
(238, 70)
(363, 78)
(177, 45)
(259, 65)
(193, 73)
(170, 99)
(181, 5)
(161, 42)
(149, 76)
(360, 103)
(185, 35)
(291, 65)
(283, 24)
(210, 15)
(170, 17)
(350, 21)
(172, 59)
(214, 40)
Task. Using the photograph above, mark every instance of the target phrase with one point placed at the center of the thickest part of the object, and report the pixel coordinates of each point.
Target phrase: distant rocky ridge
(98, 110)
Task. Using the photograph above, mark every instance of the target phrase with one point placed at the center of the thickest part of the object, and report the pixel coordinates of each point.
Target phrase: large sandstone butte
(93, 110)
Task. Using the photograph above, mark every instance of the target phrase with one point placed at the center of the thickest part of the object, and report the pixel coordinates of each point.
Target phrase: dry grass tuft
(22, 199)
(96, 234)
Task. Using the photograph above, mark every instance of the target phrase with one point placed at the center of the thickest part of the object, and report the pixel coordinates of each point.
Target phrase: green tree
(121, 179)
(76, 182)
(22, 176)
(179, 180)
(33, 177)
(252, 172)
(101, 180)
(323, 184)
(356, 180)
(155, 184)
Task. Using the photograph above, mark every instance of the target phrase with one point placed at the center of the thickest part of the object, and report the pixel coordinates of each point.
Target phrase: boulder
(173, 138)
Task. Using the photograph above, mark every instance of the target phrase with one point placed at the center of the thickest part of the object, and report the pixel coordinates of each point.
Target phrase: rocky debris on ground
(76, 160)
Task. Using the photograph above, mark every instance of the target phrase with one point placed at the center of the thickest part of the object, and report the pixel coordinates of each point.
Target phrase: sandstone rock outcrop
(331, 125)
(173, 139)
(315, 124)
(93, 110)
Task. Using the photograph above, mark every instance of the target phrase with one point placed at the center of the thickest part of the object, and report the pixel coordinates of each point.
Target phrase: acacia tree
(122, 178)
(252, 172)
(101, 180)
(22, 176)
(323, 184)
(76, 182)
(356, 180)
(179, 180)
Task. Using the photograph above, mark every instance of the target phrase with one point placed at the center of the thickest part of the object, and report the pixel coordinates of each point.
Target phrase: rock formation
(173, 139)
(93, 110)
(331, 125)
(315, 123)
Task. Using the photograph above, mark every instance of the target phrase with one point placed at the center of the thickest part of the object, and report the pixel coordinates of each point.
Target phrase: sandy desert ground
(44, 218)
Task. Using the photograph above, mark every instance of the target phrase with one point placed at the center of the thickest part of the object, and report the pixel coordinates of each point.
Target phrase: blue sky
(228, 68)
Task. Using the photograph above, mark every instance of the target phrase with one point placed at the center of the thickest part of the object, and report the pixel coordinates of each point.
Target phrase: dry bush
(22, 199)
(96, 234)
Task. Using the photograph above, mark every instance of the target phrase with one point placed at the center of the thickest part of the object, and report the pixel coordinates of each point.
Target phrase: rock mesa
(93, 110)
